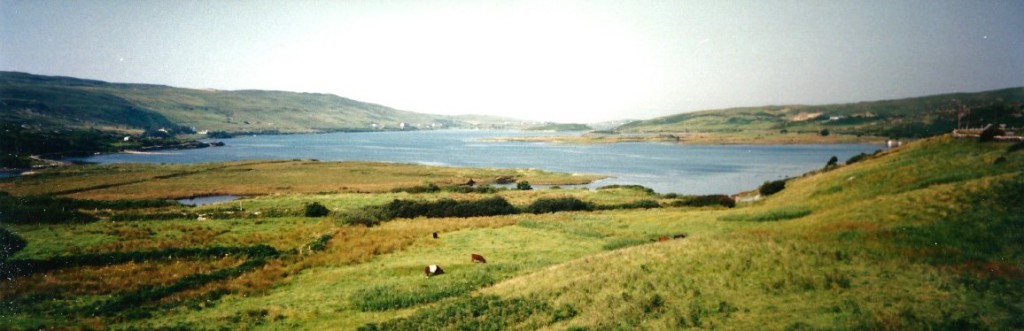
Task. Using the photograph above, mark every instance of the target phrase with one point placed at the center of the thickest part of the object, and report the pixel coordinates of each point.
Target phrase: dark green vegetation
(926, 236)
(902, 118)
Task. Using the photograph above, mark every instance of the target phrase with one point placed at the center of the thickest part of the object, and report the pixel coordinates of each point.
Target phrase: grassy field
(927, 236)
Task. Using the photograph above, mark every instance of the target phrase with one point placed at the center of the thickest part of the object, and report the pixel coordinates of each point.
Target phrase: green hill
(66, 102)
(902, 118)
(926, 236)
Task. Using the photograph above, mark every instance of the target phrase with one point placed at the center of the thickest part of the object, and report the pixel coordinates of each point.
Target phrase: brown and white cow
(477, 258)
(433, 270)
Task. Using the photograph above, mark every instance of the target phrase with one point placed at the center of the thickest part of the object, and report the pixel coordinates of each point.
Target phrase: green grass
(923, 237)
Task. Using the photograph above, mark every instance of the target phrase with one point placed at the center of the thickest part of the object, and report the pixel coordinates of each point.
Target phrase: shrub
(370, 216)
(316, 210)
(706, 200)
(428, 188)
(628, 187)
(857, 158)
(832, 162)
(523, 186)
(10, 243)
(639, 204)
(551, 205)
(772, 187)
(1015, 147)
(320, 243)
(824, 132)
(41, 209)
(990, 133)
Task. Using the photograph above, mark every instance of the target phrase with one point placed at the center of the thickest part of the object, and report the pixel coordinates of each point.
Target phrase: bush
(639, 204)
(772, 187)
(832, 162)
(628, 187)
(824, 132)
(551, 205)
(426, 188)
(523, 186)
(10, 243)
(316, 210)
(433, 209)
(706, 200)
(41, 209)
(370, 216)
(990, 133)
(857, 158)
(1015, 147)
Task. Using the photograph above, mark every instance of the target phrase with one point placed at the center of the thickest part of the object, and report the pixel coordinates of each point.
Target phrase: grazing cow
(433, 270)
(478, 258)
(679, 236)
(663, 238)
(435, 235)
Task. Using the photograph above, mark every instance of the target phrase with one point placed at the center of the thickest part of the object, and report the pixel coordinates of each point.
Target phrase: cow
(477, 258)
(435, 235)
(663, 238)
(679, 236)
(433, 270)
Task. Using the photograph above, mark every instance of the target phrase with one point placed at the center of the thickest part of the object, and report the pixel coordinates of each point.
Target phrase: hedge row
(31, 266)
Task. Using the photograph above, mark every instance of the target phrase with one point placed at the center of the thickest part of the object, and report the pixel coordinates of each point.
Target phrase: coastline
(700, 138)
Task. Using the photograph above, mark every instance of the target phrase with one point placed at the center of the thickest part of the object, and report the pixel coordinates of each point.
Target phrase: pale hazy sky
(568, 61)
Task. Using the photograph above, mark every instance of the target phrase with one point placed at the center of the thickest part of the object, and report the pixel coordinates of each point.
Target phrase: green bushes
(399, 208)
(316, 209)
(41, 209)
(523, 186)
(990, 133)
(31, 266)
(772, 187)
(10, 243)
(628, 187)
(706, 200)
(320, 244)
(551, 205)
(857, 158)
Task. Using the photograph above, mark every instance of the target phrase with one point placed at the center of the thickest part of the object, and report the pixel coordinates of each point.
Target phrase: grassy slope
(926, 236)
(72, 102)
(911, 117)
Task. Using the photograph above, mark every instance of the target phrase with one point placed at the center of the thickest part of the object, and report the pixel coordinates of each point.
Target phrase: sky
(561, 61)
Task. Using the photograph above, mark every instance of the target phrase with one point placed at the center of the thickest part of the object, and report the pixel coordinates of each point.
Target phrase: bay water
(664, 167)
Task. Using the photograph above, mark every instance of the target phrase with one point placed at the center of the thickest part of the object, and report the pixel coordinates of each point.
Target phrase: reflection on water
(199, 201)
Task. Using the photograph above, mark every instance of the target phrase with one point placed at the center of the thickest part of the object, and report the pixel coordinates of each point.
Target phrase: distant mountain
(48, 101)
(911, 117)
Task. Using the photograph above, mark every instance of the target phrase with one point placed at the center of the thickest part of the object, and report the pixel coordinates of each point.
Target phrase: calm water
(661, 166)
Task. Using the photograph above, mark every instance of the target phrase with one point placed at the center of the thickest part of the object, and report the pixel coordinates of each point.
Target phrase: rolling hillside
(903, 118)
(79, 103)
(927, 236)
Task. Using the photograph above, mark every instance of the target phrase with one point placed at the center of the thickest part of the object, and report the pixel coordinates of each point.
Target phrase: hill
(925, 236)
(66, 102)
(902, 118)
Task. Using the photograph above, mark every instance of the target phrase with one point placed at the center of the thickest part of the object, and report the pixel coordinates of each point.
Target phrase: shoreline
(699, 138)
